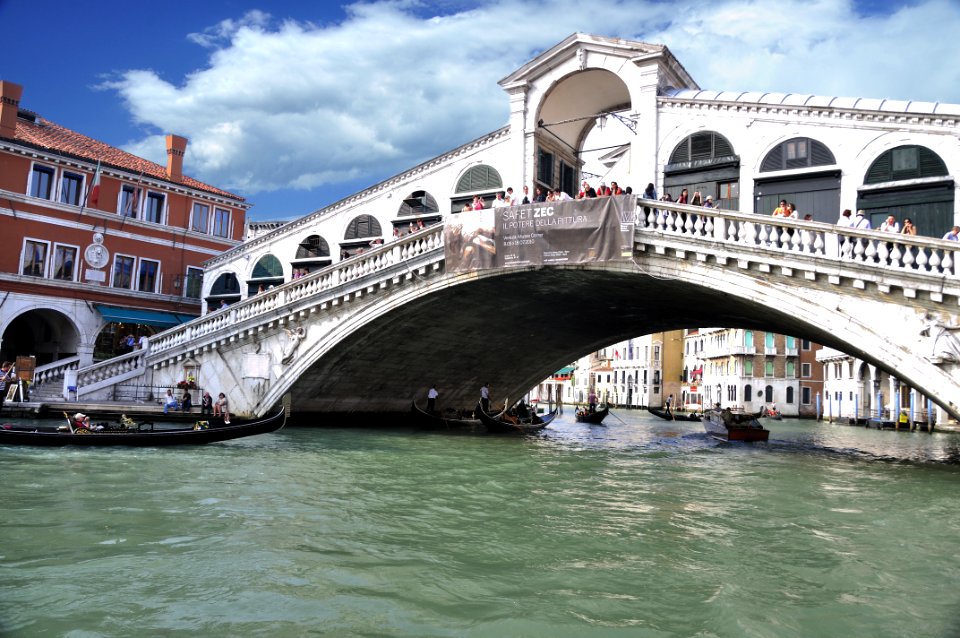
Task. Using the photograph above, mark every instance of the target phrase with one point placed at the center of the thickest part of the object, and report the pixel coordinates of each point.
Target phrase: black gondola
(500, 424)
(435, 422)
(675, 416)
(136, 436)
(595, 418)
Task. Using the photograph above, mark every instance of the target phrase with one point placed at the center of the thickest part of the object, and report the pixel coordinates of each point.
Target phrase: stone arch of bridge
(515, 327)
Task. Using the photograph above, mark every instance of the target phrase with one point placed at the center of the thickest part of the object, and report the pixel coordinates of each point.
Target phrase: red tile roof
(53, 137)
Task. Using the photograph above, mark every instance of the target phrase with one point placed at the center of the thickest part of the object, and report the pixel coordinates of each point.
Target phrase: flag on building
(94, 192)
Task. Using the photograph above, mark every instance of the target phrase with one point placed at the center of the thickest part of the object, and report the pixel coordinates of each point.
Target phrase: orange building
(98, 244)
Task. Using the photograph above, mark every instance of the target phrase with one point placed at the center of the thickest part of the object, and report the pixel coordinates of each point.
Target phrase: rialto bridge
(373, 332)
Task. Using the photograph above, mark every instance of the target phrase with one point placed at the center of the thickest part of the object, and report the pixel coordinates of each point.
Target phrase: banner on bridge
(549, 233)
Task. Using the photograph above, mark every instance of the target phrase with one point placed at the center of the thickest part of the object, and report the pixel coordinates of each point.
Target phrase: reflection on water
(639, 527)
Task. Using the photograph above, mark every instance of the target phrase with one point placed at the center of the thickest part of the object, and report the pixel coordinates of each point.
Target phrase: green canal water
(639, 528)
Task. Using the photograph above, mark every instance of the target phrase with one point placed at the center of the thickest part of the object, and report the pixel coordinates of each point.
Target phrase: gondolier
(432, 398)
(485, 397)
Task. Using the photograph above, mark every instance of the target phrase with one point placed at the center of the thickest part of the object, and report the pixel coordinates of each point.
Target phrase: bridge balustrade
(896, 251)
(267, 303)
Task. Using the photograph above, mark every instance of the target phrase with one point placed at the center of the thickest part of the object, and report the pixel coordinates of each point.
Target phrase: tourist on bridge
(861, 221)
(846, 219)
(782, 210)
(908, 227)
(432, 398)
(953, 235)
(890, 225)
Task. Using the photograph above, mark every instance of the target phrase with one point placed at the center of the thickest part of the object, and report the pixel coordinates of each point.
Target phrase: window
(154, 211)
(905, 158)
(221, 222)
(789, 395)
(35, 258)
(805, 344)
(123, 272)
(768, 394)
(544, 167)
(791, 342)
(200, 219)
(71, 187)
(147, 277)
(796, 149)
(768, 341)
(768, 368)
(748, 339)
(805, 396)
(194, 283)
(41, 181)
(791, 369)
(568, 178)
(805, 370)
(129, 201)
(729, 190)
(64, 262)
(748, 367)
(748, 393)
(656, 353)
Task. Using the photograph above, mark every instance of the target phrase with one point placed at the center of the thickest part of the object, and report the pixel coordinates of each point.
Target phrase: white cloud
(298, 104)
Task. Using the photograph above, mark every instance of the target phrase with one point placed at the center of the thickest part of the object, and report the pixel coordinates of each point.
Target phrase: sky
(295, 105)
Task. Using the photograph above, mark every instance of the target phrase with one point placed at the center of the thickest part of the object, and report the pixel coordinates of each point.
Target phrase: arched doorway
(893, 186)
(46, 334)
(814, 193)
(704, 162)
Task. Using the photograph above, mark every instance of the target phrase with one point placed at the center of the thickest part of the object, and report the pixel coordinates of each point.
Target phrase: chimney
(9, 105)
(176, 146)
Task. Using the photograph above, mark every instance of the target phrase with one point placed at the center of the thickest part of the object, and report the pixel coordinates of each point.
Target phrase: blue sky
(295, 105)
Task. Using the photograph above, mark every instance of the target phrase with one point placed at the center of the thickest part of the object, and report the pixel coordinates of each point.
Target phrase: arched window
(799, 152)
(225, 289)
(418, 203)
(789, 395)
(479, 178)
(312, 253)
(362, 226)
(705, 147)
(747, 393)
(905, 162)
(418, 209)
(768, 394)
(267, 272)
(360, 235)
(312, 247)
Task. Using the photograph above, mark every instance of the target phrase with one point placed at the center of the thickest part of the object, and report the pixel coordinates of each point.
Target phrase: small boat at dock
(507, 423)
(595, 418)
(675, 416)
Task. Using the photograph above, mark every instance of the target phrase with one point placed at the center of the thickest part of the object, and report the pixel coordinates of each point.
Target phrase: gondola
(675, 416)
(499, 425)
(594, 418)
(134, 435)
(730, 426)
(433, 422)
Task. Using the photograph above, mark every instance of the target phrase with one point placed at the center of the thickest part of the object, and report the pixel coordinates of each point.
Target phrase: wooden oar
(69, 424)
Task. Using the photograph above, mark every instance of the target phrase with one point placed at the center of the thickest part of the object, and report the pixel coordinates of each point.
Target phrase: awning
(146, 317)
(563, 372)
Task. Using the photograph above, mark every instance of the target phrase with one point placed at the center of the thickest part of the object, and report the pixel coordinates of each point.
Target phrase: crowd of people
(889, 225)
